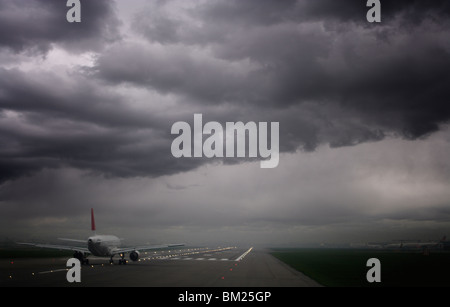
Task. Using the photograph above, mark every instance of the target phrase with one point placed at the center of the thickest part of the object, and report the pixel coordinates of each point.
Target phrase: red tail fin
(92, 220)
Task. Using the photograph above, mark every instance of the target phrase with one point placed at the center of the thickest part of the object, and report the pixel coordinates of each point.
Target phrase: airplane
(423, 245)
(102, 246)
(411, 245)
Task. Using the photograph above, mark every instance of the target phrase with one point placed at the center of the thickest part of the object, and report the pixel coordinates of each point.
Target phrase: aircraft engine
(134, 255)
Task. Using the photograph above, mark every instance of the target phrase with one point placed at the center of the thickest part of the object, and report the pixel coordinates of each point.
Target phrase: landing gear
(122, 260)
(82, 257)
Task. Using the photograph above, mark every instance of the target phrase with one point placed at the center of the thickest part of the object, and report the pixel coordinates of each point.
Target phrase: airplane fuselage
(103, 246)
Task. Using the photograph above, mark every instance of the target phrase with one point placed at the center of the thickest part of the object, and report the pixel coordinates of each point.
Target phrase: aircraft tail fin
(92, 220)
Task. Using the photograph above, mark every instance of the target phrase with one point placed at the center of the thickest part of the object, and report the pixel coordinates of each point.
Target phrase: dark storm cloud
(392, 76)
(75, 98)
(48, 122)
(171, 70)
(33, 26)
(234, 14)
(317, 67)
(411, 11)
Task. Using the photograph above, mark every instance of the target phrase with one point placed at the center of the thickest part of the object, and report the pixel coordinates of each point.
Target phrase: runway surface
(187, 267)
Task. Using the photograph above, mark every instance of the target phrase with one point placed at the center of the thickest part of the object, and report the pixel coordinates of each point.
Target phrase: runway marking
(206, 254)
(244, 254)
(52, 271)
(200, 259)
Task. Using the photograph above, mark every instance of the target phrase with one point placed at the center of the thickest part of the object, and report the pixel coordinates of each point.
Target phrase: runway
(186, 267)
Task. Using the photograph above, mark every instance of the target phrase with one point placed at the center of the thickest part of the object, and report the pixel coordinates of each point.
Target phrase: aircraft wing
(73, 240)
(60, 247)
(144, 248)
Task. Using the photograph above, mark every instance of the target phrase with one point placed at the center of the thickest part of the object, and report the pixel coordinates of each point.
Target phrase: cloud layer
(98, 98)
(320, 70)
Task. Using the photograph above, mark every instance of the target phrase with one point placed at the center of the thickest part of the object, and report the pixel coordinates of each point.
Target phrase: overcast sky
(86, 111)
